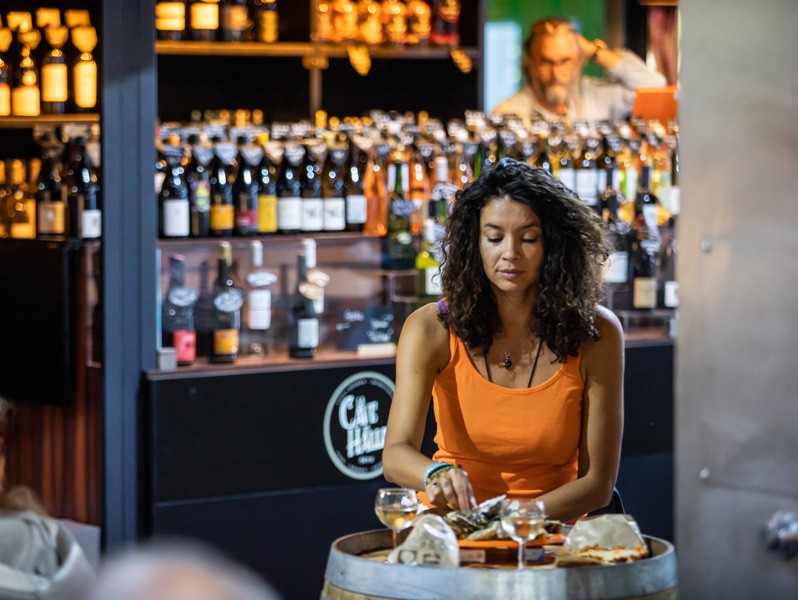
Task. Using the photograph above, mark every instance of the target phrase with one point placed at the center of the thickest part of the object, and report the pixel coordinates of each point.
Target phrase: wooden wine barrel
(351, 576)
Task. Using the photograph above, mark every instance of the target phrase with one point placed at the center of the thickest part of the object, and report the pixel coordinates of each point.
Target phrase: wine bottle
(204, 20)
(245, 187)
(442, 192)
(315, 276)
(643, 268)
(289, 190)
(21, 220)
(177, 318)
(233, 20)
(618, 234)
(542, 159)
(5, 73)
(586, 176)
(55, 86)
(266, 176)
(25, 91)
(203, 310)
(399, 252)
(222, 214)
(173, 200)
(258, 308)
(564, 166)
(667, 286)
(375, 188)
(312, 208)
(228, 299)
(418, 190)
(170, 20)
(50, 205)
(356, 211)
(198, 179)
(303, 337)
(370, 21)
(266, 21)
(394, 16)
(84, 70)
(428, 267)
(83, 194)
(333, 184)
(607, 167)
(645, 201)
(419, 23)
(446, 23)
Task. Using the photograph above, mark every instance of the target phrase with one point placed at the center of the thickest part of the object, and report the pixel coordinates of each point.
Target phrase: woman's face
(511, 245)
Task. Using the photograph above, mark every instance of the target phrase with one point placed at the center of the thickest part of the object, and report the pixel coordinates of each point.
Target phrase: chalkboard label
(374, 325)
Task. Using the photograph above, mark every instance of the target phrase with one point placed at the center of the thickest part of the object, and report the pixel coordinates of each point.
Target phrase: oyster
(465, 523)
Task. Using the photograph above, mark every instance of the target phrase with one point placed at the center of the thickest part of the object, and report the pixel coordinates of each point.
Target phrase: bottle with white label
(356, 206)
(50, 205)
(586, 176)
(303, 333)
(258, 307)
(83, 194)
(316, 277)
(173, 200)
(289, 190)
(312, 208)
(333, 183)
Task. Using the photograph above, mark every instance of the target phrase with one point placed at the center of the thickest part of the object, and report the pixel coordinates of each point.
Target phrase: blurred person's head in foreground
(177, 570)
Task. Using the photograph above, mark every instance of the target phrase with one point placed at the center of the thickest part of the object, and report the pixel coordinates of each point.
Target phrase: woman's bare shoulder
(424, 336)
(425, 322)
(607, 322)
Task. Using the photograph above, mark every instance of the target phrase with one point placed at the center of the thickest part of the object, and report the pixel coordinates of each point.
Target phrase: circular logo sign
(354, 424)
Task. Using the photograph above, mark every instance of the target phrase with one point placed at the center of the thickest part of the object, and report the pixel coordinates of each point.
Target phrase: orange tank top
(509, 441)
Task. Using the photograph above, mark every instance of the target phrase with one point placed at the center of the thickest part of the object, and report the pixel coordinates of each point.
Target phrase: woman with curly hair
(525, 368)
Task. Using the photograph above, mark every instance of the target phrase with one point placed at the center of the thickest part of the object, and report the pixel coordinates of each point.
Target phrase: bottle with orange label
(228, 298)
(222, 213)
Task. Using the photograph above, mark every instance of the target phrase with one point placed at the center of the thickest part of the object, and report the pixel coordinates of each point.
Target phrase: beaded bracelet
(436, 469)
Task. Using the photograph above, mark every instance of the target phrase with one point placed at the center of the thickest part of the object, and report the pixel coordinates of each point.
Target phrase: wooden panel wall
(57, 451)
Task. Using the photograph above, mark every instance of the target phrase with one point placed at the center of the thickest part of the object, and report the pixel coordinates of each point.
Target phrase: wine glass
(396, 508)
(522, 519)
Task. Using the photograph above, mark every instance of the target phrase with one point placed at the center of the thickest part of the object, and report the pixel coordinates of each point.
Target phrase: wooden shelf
(55, 120)
(300, 49)
(278, 49)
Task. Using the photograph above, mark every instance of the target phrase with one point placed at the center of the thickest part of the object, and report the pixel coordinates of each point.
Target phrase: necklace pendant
(506, 363)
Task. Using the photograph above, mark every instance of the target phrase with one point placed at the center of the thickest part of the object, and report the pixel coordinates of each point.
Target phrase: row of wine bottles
(413, 22)
(217, 20)
(338, 176)
(57, 195)
(231, 317)
(47, 67)
(398, 22)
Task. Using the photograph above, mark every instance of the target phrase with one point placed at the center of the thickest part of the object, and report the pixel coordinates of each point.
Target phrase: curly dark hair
(569, 285)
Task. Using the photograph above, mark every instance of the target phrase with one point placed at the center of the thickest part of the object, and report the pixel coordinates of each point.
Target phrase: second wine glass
(396, 508)
(522, 519)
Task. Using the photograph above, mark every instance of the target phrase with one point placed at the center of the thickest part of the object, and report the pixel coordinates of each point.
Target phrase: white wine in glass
(522, 519)
(396, 508)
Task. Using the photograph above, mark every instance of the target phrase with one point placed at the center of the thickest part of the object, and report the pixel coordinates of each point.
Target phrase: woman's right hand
(453, 488)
